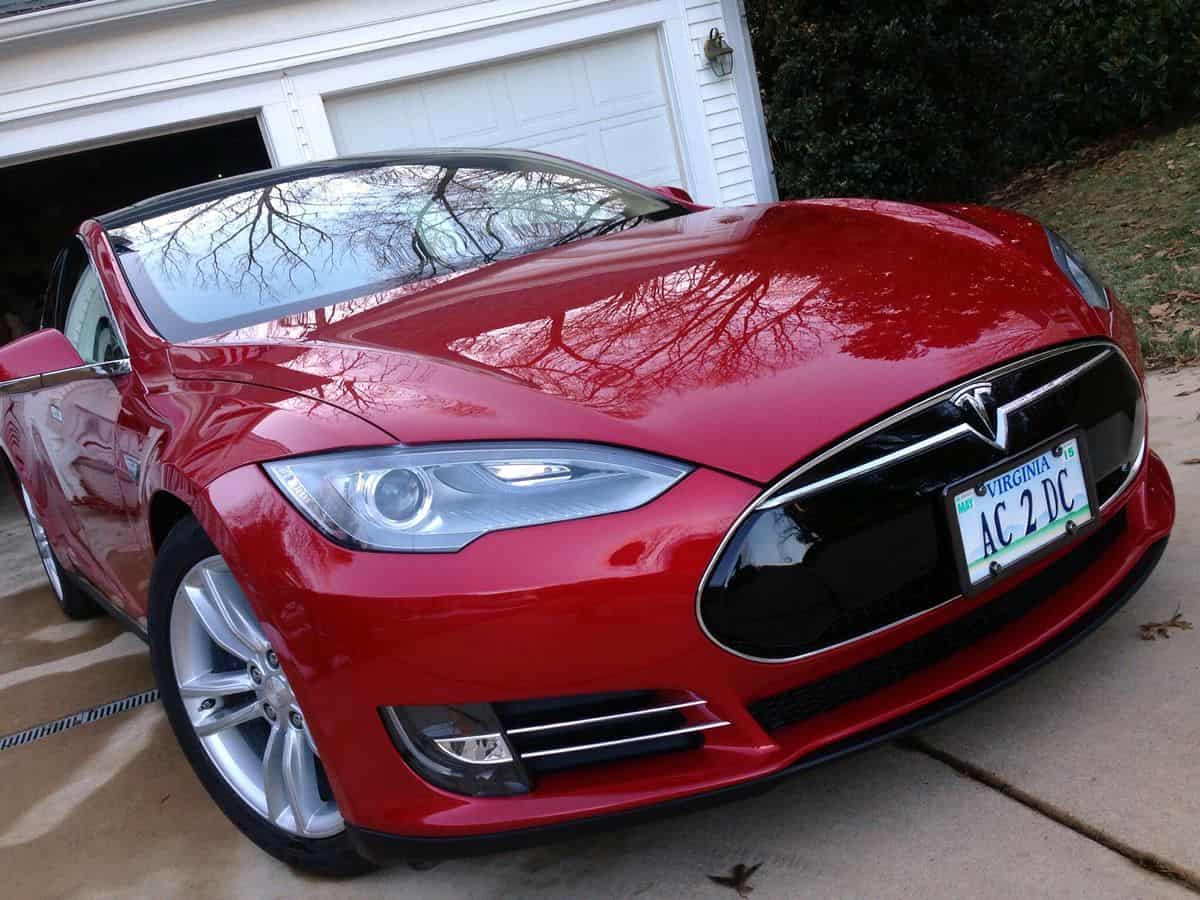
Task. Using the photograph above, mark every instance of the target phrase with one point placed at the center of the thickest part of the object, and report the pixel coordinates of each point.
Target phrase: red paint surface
(742, 340)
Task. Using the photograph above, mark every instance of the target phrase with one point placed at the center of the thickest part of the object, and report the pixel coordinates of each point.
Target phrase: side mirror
(25, 361)
(675, 194)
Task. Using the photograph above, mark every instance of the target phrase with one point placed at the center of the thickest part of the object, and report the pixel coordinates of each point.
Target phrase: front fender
(182, 438)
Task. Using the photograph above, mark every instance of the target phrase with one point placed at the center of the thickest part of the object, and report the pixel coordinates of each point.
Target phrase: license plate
(1006, 517)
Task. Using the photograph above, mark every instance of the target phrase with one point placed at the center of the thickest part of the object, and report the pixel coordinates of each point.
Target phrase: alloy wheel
(241, 706)
(43, 546)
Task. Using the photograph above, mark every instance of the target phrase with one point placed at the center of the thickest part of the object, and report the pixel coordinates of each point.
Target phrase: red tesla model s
(469, 497)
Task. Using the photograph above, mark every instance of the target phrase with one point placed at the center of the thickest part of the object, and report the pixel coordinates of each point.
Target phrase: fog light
(481, 750)
(460, 748)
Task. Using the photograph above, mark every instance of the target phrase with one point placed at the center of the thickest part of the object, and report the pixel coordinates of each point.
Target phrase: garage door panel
(462, 108)
(379, 119)
(624, 74)
(602, 103)
(544, 88)
(578, 147)
(645, 148)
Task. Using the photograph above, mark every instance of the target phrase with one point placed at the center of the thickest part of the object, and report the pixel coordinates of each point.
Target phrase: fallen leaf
(1194, 461)
(1188, 393)
(1152, 631)
(739, 877)
(1160, 310)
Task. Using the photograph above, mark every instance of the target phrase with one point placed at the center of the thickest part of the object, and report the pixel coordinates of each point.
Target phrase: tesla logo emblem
(979, 412)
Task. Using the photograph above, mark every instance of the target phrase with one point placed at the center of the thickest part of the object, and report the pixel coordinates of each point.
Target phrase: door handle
(56, 412)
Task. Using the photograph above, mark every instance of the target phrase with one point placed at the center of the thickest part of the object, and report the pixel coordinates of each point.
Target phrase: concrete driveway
(1082, 780)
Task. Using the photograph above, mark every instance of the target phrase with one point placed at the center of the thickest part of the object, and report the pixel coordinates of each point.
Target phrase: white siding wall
(70, 79)
(723, 117)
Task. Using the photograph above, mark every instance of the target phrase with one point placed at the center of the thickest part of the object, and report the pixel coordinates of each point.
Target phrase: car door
(78, 413)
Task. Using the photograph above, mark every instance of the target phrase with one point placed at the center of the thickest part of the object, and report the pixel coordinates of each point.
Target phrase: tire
(71, 599)
(186, 551)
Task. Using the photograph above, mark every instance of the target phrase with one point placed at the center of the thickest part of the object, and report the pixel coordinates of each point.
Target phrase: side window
(85, 317)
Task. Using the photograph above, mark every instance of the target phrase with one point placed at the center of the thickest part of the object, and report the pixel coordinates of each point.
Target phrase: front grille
(858, 539)
(558, 733)
(851, 684)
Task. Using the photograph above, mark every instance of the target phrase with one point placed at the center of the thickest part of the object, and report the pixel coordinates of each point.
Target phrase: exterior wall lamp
(718, 53)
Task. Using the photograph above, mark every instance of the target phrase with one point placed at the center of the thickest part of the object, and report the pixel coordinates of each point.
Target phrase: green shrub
(945, 98)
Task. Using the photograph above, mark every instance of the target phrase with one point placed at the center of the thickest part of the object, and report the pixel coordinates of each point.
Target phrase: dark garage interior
(46, 199)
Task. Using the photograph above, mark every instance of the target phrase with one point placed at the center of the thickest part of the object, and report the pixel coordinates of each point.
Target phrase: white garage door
(601, 103)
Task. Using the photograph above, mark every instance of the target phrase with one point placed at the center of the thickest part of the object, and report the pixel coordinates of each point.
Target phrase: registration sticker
(1009, 515)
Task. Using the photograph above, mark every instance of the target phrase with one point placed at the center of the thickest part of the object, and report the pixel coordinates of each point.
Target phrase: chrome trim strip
(111, 369)
(21, 385)
(950, 434)
(1134, 471)
(631, 740)
(1038, 393)
(880, 462)
(537, 729)
(925, 404)
(771, 491)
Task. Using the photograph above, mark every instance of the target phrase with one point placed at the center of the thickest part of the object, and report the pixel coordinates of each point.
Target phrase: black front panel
(869, 552)
(852, 684)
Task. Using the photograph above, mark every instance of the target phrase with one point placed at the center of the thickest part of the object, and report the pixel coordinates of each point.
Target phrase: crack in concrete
(1144, 859)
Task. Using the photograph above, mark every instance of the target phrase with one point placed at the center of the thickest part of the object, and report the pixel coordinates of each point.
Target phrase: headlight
(1087, 282)
(442, 497)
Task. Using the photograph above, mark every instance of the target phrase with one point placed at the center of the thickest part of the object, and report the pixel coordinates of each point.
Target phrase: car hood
(741, 339)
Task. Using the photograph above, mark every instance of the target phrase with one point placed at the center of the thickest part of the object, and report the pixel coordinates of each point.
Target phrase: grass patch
(1132, 207)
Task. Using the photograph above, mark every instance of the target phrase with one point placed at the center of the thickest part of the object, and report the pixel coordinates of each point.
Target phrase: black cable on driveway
(83, 717)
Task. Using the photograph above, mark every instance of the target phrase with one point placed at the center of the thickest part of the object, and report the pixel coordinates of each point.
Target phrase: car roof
(225, 187)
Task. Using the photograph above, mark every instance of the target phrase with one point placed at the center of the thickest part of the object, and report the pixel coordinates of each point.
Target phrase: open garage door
(602, 103)
(46, 199)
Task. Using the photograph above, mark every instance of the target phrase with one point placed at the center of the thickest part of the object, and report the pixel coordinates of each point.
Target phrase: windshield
(259, 254)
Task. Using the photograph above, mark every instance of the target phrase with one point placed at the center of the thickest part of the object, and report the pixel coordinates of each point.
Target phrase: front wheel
(233, 711)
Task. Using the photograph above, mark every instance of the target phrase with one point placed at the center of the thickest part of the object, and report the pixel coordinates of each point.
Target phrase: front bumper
(589, 606)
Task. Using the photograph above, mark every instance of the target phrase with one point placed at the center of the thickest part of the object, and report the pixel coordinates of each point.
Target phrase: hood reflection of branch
(387, 226)
(366, 381)
(698, 325)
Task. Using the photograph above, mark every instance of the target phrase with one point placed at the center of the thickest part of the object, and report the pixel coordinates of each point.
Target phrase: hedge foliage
(946, 98)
